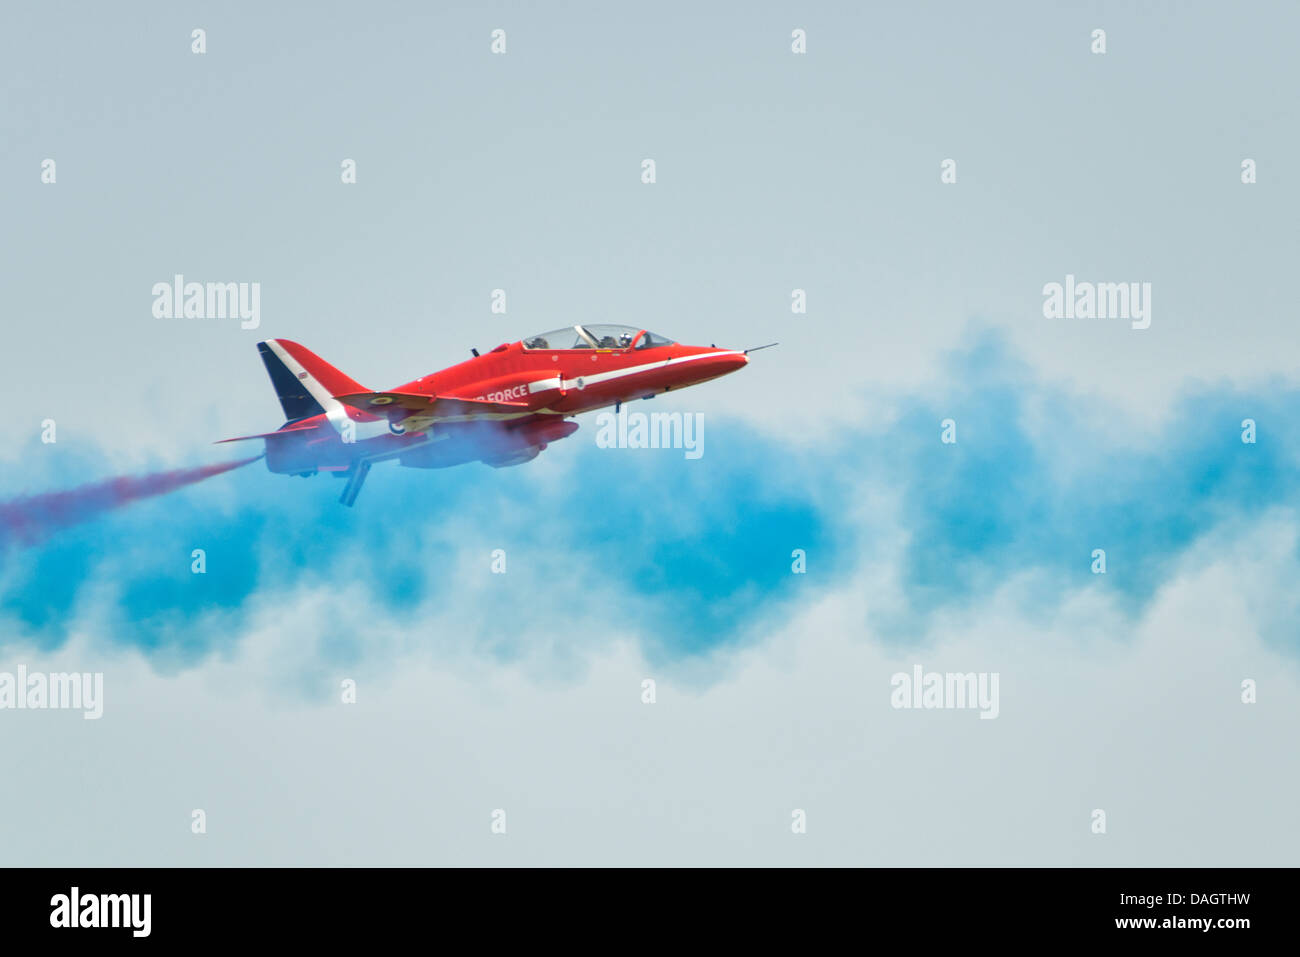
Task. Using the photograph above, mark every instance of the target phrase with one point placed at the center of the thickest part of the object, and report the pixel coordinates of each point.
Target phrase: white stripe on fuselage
(647, 367)
(559, 382)
(546, 385)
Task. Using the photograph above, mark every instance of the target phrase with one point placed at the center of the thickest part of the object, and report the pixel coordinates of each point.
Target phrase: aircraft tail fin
(304, 382)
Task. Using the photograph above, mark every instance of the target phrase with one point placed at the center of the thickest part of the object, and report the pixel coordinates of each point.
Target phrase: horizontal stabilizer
(267, 435)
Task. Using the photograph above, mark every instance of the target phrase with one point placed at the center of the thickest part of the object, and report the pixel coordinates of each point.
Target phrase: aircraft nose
(731, 361)
(711, 362)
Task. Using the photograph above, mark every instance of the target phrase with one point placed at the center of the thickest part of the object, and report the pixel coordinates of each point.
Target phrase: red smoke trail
(28, 519)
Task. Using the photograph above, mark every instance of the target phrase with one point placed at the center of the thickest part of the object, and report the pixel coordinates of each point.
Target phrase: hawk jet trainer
(501, 408)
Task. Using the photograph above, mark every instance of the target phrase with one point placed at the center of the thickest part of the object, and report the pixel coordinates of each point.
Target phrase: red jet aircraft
(501, 408)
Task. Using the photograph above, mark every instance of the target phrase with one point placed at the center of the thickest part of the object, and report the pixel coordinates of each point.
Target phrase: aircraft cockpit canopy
(602, 336)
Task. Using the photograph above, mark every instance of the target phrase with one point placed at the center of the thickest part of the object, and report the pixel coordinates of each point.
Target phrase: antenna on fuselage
(475, 351)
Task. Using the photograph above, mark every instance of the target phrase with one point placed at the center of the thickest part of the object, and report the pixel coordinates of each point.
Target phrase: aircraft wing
(414, 411)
